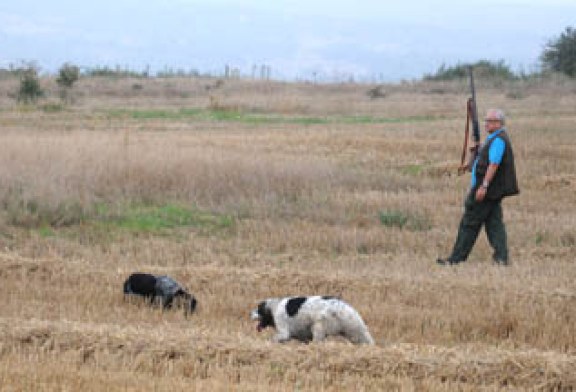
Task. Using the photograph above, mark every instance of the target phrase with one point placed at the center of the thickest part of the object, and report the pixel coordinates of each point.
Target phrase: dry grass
(304, 171)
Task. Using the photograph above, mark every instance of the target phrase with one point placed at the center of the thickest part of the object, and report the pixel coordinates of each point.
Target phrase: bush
(376, 92)
(401, 220)
(116, 72)
(482, 69)
(393, 218)
(68, 75)
(30, 90)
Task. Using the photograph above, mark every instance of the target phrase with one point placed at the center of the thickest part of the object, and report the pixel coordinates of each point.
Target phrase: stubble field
(244, 190)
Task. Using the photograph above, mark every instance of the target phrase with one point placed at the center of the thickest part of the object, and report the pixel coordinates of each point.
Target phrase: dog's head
(263, 314)
(189, 301)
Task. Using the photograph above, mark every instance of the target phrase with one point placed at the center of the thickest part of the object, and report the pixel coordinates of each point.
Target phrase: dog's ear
(265, 314)
(262, 310)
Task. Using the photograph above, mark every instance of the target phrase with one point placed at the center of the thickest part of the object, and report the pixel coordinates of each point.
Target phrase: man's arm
(483, 188)
(495, 155)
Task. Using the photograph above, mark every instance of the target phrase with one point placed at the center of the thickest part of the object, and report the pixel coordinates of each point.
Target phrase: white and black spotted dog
(311, 319)
(164, 287)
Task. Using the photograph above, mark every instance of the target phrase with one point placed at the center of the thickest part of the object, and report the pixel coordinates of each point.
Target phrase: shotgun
(471, 117)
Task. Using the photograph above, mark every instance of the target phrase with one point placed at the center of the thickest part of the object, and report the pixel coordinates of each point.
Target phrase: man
(493, 178)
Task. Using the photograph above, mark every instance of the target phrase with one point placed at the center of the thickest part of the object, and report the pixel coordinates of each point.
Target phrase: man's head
(494, 120)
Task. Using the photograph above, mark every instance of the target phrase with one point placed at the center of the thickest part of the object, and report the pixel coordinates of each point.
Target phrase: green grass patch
(384, 120)
(160, 219)
(221, 115)
(412, 170)
(103, 220)
(46, 231)
(152, 114)
(540, 238)
(52, 108)
(404, 220)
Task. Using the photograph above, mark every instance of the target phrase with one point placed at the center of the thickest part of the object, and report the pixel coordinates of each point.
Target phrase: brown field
(290, 185)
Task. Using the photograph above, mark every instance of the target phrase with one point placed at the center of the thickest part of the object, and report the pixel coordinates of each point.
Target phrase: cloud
(16, 25)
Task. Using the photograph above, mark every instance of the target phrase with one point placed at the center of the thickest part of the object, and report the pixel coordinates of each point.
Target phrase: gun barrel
(475, 124)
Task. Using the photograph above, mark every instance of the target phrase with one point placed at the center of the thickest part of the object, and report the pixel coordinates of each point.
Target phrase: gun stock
(471, 117)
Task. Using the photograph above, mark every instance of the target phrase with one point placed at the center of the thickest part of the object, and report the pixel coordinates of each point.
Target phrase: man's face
(492, 123)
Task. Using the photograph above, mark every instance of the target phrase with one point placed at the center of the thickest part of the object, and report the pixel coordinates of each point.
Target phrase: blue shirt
(495, 153)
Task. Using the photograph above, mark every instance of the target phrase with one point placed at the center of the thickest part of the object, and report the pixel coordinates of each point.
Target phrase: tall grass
(240, 210)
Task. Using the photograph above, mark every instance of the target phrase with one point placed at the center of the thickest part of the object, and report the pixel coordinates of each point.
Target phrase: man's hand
(480, 194)
(463, 169)
(467, 167)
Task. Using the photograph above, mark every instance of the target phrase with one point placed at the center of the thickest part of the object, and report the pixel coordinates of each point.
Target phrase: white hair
(496, 114)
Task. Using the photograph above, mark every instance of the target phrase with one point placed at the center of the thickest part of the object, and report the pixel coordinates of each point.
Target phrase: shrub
(68, 75)
(30, 90)
(117, 72)
(401, 219)
(393, 218)
(376, 92)
(483, 68)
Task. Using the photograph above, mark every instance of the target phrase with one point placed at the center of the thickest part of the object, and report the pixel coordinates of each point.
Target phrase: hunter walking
(493, 178)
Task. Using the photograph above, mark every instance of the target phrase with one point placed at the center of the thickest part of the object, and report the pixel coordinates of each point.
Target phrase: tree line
(558, 55)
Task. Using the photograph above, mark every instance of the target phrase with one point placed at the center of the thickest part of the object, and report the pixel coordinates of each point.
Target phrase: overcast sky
(332, 39)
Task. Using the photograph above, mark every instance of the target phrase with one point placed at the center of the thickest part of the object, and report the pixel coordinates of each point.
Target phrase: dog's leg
(167, 301)
(318, 331)
(282, 334)
(280, 338)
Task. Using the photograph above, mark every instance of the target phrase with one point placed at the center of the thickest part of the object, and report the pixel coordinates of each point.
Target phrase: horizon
(258, 74)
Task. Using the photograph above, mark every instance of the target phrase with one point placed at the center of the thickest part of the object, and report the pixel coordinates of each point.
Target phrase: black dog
(152, 286)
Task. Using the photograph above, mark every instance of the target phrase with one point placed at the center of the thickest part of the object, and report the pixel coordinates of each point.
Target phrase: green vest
(504, 182)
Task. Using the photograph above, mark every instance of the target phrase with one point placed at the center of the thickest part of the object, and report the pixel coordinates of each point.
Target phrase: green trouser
(476, 214)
